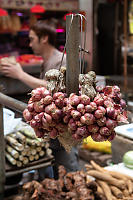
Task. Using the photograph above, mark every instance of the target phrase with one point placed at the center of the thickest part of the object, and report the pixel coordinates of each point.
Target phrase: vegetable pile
(112, 184)
(23, 147)
(95, 112)
(71, 186)
(95, 183)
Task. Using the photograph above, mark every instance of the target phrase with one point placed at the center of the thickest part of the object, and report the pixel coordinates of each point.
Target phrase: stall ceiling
(56, 5)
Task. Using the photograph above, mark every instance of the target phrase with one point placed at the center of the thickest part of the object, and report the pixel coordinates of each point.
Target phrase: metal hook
(81, 49)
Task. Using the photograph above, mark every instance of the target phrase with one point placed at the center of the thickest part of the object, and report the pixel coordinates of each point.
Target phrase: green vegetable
(128, 159)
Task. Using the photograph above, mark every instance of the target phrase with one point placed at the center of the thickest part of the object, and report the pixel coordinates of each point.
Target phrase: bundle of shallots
(98, 117)
(73, 118)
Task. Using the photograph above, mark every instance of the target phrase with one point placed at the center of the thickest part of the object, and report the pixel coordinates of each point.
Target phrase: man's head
(41, 33)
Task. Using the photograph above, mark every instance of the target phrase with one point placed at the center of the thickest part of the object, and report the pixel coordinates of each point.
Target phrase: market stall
(15, 87)
(85, 111)
(48, 4)
(21, 106)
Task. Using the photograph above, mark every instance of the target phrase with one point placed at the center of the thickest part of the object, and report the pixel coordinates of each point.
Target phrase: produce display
(26, 59)
(71, 186)
(23, 147)
(113, 185)
(95, 112)
(29, 59)
(94, 183)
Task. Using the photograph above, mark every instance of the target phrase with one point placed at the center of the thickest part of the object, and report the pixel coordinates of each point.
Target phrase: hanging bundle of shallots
(95, 112)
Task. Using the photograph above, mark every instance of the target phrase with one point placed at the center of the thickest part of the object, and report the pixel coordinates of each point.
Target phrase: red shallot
(53, 133)
(99, 100)
(47, 100)
(81, 108)
(101, 121)
(27, 115)
(98, 114)
(30, 107)
(38, 106)
(89, 108)
(75, 114)
(59, 95)
(111, 112)
(110, 123)
(72, 125)
(84, 99)
(93, 128)
(104, 131)
(94, 105)
(74, 99)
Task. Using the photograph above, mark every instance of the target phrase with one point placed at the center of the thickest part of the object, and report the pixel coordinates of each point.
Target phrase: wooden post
(2, 155)
(72, 54)
(116, 44)
(94, 53)
(125, 46)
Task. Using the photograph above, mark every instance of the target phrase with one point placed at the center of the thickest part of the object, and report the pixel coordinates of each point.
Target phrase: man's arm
(16, 72)
(31, 81)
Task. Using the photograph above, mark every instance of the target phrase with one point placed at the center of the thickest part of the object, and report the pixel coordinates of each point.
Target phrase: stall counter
(11, 86)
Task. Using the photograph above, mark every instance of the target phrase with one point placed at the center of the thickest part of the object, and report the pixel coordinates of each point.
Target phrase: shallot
(74, 99)
(108, 103)
(53, 133)
(102, 109)
(110, 123)
(84, 99)
(101, 121)
(59, 95)
(39, 132)
(81, 108)
(81, 131)
(89, 108)
(93, 105)
(45, 93)
(99, 88)
(27, 115)
(97, 137)
(99, 100)
(59, 102)
(87, 119)
(48, 118)
(47, 100)
(34, 124)
(98, 114)
(72, 125)
(75, 114)
(93, 128)
(111, 112)
(50, 108)
(111, 136)
(104, 131)
(38, 106)
(30, 107)
(36, 94)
